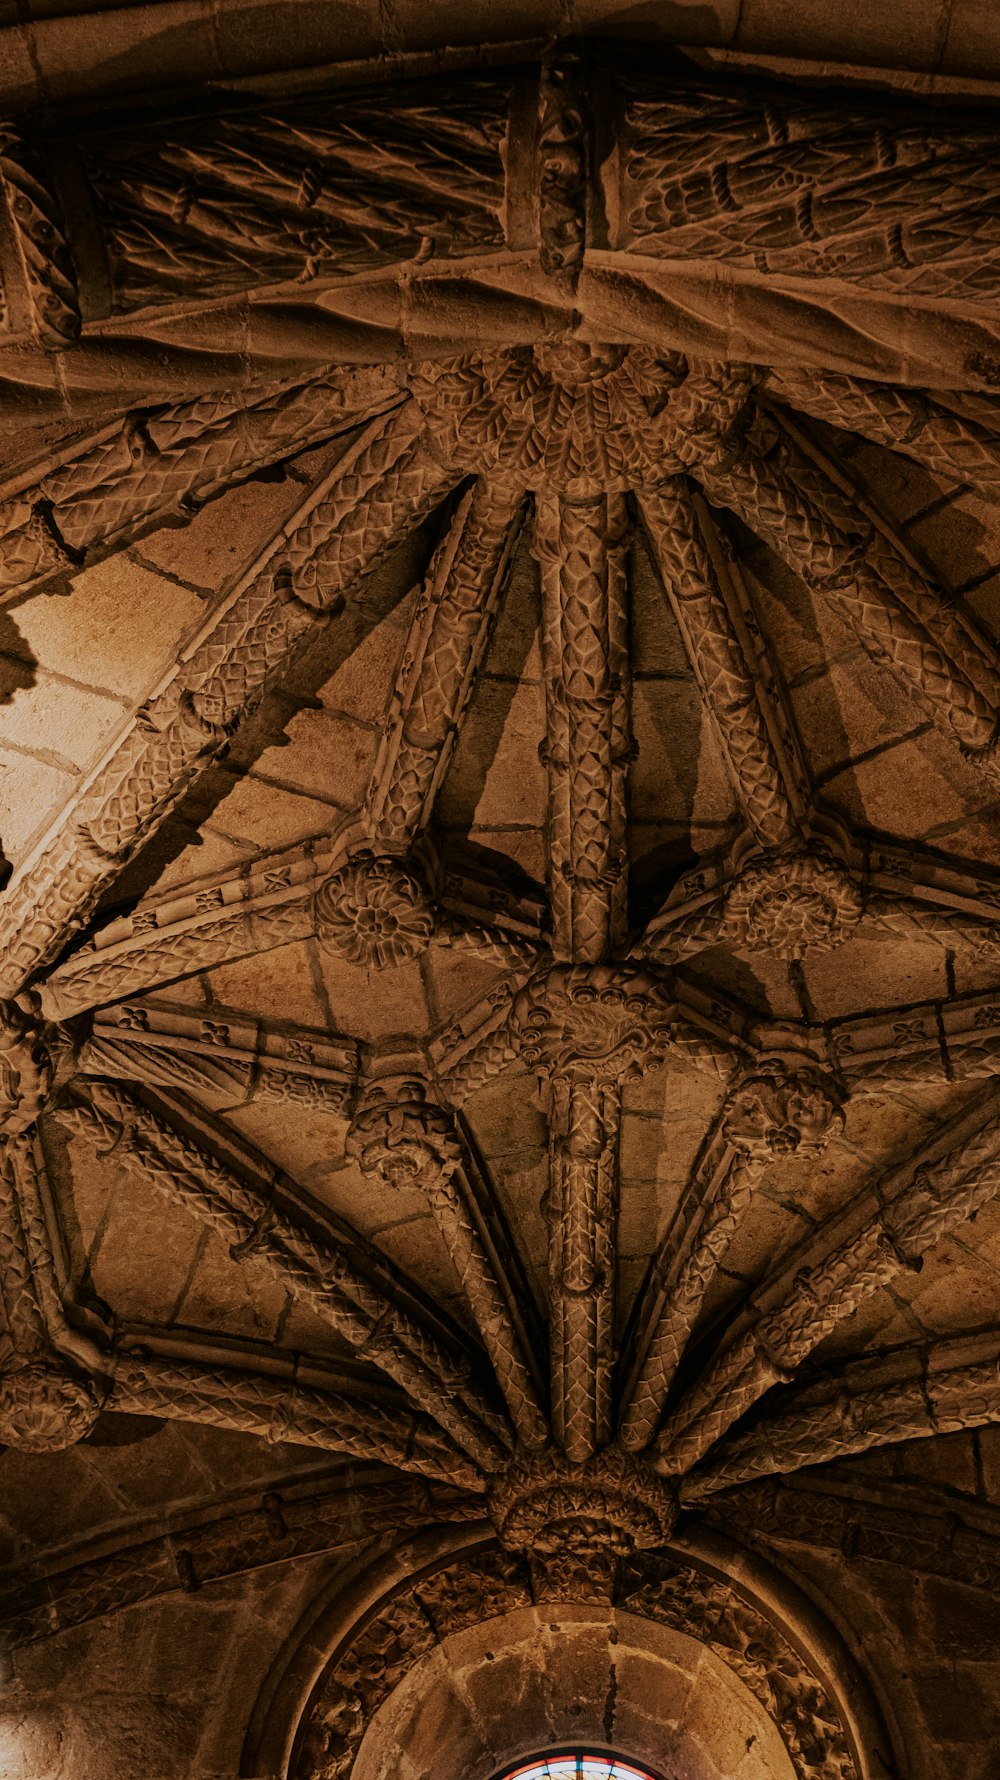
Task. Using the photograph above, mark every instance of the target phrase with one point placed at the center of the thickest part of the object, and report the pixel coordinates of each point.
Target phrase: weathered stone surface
(499, 728)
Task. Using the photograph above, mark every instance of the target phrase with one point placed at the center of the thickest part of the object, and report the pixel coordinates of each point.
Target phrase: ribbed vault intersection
(582, 1106)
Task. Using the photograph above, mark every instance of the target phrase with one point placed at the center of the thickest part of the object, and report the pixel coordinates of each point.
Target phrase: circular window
(576, 1764)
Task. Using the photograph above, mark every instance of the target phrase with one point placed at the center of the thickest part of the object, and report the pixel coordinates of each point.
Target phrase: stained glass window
(577, 1764)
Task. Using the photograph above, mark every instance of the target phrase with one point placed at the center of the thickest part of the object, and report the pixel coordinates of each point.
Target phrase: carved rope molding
(304, 192)
(477, 207)
(806, 184)
(38, 290)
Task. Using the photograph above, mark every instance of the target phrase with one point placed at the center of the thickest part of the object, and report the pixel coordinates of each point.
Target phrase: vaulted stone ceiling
(501, 949)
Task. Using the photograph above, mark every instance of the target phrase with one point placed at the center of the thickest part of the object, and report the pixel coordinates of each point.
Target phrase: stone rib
(218, 1072)
(974, 935)
(582, 1219)
(93, 977)
(164, 463)
(581, 548)
(316, 1274)
(447, 641)
(852, 1421)
(23, 1314)
(278, 1409)
(452, 1215)
(823, 479)
(938, 1195)
(717, 1198)
(912, 421)
(400, 1134)
(803, 517)
(468, 1060)
(700, 579)
(379, 490)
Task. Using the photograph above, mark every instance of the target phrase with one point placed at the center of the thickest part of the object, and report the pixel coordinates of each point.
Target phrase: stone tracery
(578, 444)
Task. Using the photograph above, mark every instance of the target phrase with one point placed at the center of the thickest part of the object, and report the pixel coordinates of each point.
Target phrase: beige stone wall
(163, 1690)
(558, 1675)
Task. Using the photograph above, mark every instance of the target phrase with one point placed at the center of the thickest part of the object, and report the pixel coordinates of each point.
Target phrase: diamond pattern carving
(582, 1414)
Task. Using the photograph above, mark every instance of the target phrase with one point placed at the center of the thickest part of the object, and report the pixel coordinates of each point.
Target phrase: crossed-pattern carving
(574, 1436)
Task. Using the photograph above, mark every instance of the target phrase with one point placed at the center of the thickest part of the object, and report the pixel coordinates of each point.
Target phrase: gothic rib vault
(512, 996)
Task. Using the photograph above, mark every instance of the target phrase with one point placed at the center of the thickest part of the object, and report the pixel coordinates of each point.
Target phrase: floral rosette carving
(375, 912)
(613, 1504)
(400, 1137)
(601, 1020)
(789, 905)
(44, 1408)
(778, 1112)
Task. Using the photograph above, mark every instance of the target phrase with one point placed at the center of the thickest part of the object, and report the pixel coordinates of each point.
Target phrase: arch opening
(571, 1676)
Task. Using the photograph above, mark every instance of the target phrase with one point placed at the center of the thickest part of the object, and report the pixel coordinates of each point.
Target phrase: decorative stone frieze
(44, 1407)
(777, 1112)
(612, 1505)
(792, 905)
(25, 1070)
(399, 1135)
